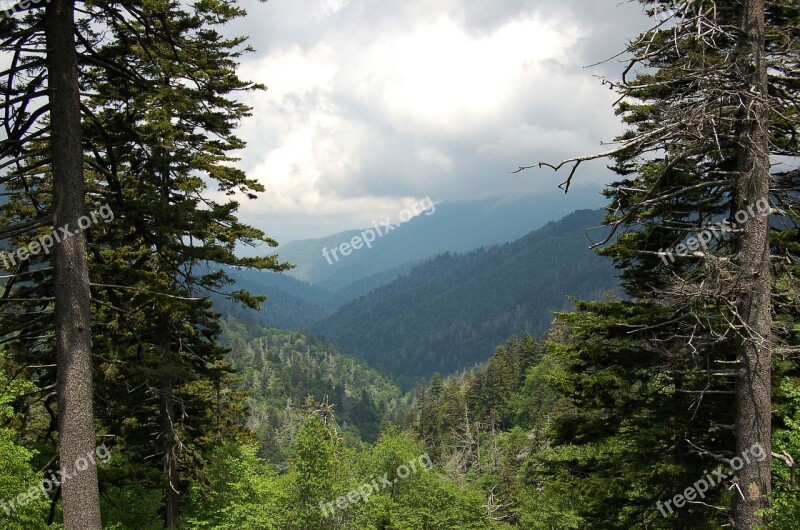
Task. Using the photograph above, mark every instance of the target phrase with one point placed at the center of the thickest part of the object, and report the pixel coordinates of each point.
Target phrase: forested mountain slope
(447, 313)
(280, 370)
(290, 304)
(447, 227)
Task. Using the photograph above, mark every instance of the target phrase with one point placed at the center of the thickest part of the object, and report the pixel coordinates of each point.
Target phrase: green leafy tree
(240, 492)
(411, 494)
(17, 475)
(314, 473)
(785, 510)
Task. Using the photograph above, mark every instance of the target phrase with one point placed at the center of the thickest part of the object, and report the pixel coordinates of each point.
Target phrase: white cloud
(443, 78)
(331, 7)
(384, 103)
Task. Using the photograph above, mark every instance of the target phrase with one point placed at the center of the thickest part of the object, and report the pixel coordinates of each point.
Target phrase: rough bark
(81, 500)
(753, 385)
(170, 439)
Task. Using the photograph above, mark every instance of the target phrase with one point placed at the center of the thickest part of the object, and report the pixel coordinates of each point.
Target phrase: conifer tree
(709, 96)
(156, 122)
(29, 79)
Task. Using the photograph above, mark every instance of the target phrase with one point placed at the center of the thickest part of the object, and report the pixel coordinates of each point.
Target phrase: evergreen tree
(28, 122)
(711, 101)
(174, 129)
(634, 432)
(157, 120)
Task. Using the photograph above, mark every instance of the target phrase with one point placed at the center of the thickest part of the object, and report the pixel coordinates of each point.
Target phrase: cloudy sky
(374, 104)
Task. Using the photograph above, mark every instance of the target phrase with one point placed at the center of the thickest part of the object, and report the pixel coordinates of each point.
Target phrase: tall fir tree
(157, 123)
(712, 97)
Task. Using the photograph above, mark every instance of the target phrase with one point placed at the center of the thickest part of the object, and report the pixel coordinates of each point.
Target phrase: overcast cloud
(373, 104)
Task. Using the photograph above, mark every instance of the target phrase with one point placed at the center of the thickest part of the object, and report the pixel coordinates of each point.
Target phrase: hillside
(290, 304)
(446, 314)
(450, 227)
(280, 370)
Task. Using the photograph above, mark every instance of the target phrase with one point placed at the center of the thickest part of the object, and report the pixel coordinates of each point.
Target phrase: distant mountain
(451, 227)
(290, 304)
(306, 255)
(448, 313)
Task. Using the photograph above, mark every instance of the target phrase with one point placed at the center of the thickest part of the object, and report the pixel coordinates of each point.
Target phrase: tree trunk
(753, 385)
(170, 442)
(72, 318)
(171, 494)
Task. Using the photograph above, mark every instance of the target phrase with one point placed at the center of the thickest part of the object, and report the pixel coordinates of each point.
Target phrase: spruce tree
(157, 126)
(709, 95)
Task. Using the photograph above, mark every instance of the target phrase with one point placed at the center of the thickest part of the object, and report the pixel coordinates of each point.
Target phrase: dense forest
(280, 370)
(445, 314)
(643, 375)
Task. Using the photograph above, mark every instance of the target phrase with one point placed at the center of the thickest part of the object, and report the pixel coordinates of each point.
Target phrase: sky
(375, 104)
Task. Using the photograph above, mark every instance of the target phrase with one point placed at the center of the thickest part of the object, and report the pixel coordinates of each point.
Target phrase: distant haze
(451, 227)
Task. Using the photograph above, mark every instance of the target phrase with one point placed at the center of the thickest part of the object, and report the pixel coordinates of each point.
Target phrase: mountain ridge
(446, 313)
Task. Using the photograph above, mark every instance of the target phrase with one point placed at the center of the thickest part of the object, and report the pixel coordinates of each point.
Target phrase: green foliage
(785, 510)
(413, 494)
(314, 473)
(547, 510)
(159, 83)
(463, 420)
(609, 445)
(589, 430)
(131, 506)
(17, 476)
(240, 492)
(280, 369)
